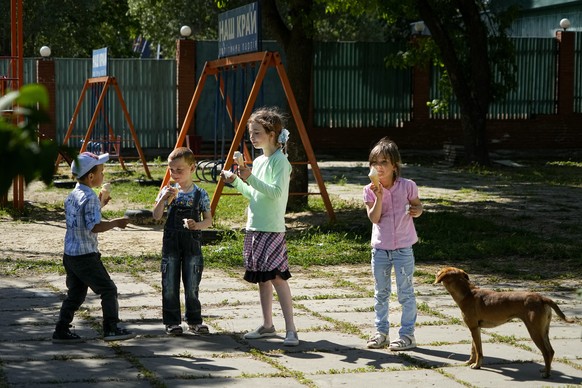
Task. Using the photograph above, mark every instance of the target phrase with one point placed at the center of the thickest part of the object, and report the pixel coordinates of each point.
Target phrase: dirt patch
(541, 209)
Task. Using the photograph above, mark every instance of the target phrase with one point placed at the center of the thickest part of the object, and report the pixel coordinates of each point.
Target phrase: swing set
(246, 67)
(100, 137)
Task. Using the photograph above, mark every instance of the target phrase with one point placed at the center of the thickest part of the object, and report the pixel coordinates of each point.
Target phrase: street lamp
(185, 31)
(45, 52)
(565, 24)
(419, 27)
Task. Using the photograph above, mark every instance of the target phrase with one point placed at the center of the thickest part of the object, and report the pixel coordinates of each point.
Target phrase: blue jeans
(181, 258)
(403, 262)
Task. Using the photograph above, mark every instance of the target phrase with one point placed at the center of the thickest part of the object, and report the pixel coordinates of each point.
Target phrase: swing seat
(114, 147)
(111, 146)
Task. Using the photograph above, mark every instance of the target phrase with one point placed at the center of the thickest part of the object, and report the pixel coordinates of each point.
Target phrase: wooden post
(45, 75)
(565, 93)
(185, 79)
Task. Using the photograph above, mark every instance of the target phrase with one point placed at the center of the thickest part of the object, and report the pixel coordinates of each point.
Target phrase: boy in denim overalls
(181, 248)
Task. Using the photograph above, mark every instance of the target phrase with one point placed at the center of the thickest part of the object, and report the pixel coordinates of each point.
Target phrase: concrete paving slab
(526, 374)
(399, 378)
(516, 328)
(325, 357)
(70, 370)
(342, 361)
(570, 349)
(453, 354)
(282, 382)
(196, 345)
(46, 350)
(207, 367)
(339, 304)
(230, 297)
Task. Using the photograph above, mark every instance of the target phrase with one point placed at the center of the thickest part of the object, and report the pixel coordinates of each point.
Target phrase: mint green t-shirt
(267, 190)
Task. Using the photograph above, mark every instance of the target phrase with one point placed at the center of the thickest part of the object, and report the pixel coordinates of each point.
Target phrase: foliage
(468, 41)
(72, 28)
(160, 21)
(21, 152)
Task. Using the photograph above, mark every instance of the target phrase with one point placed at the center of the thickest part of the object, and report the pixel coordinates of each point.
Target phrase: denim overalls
(182, 255)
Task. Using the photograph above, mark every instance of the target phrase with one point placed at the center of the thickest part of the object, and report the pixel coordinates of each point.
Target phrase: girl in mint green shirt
(265, 250)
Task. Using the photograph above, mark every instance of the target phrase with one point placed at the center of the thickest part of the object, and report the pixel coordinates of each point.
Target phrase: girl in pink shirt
(391, 206)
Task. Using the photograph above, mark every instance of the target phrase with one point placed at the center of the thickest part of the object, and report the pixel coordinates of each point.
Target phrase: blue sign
(239, 30)
(99, 68)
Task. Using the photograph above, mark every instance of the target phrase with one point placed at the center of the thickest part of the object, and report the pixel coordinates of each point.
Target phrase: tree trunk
(475, 136)
(298, 45)
(470, 79)
(299, 69)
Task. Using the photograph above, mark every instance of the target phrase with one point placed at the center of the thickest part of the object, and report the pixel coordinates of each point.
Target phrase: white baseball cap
(85, 162)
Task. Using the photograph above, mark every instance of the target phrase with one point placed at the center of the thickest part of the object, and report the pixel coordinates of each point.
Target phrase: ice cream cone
(173, 196)
(238, 158)
(373, 175)
(105, 192)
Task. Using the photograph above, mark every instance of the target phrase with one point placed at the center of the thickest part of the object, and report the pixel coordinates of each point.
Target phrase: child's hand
(244, 172)
(104, 199)
(121, 222)
(414, 210)
(378, 190)
(169, 193)
(228, 176)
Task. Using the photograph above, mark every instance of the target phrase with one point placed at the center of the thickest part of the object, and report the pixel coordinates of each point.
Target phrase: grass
(447, 235)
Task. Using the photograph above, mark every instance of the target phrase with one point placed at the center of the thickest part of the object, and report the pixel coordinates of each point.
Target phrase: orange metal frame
(16, 80)
(267, 60)
(106, 82)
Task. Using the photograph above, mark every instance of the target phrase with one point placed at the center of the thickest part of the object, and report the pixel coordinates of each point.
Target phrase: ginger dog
(487, 308)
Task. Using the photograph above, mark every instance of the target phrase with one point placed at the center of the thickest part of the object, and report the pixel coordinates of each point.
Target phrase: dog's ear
(450, 271)
(441, 274)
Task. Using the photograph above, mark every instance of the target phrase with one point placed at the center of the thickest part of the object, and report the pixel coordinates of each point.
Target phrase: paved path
(334, 315)
(333, 308)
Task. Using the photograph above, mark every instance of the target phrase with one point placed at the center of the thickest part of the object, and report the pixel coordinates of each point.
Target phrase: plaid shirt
(83, 212)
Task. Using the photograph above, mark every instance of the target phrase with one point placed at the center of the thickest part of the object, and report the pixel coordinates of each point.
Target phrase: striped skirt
(265, 256)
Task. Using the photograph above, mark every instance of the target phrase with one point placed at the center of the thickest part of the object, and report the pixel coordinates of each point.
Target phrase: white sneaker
(261, 332)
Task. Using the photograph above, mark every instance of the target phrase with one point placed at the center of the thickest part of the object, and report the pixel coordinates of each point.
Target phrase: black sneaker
(64, 336)
(118, 334)
(174, 329)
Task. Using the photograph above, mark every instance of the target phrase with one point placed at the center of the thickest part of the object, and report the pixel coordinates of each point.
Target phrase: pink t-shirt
(396, 228)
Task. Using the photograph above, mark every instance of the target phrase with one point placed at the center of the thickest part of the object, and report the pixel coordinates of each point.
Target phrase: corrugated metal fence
(352, 88)
(148, 88)
(536, 83)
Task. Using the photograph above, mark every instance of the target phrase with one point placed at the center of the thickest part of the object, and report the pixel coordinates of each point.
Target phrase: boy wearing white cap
(81, 259)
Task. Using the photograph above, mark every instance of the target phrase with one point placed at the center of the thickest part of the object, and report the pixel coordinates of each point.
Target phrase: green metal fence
(352, 88)
(536, 83)
(148, 88)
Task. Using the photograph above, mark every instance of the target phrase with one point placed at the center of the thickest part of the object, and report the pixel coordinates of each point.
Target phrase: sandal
(378, 341)
(405, 342)
(199, 329)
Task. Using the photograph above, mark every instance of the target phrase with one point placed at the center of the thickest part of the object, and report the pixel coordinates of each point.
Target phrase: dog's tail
(554, 306)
